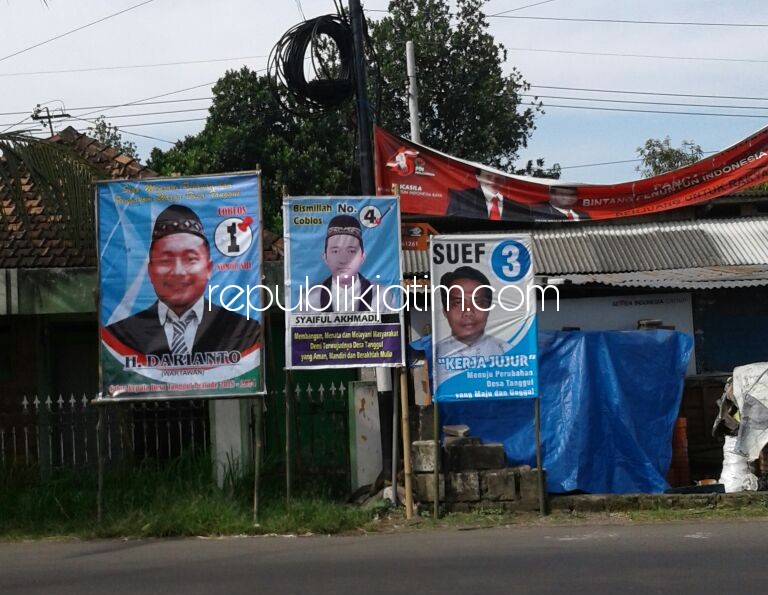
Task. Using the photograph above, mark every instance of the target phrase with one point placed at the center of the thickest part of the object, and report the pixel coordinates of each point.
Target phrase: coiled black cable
(333, 81)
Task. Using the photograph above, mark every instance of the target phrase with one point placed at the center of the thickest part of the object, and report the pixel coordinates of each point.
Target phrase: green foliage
(469, 109)
(57, 175)
(109, 135)
(180, 499)
(247, 128)
(660, 156)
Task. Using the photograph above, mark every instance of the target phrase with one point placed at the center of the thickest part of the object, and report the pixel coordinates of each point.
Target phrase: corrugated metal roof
(646, 247)
(696, 278)
(651, 246)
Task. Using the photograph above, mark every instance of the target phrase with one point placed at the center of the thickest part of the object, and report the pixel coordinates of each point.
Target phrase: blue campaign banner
(343, 282)
(179, 287)
(483, 317)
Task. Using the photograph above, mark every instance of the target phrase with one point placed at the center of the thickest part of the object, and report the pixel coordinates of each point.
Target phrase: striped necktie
(178, 344)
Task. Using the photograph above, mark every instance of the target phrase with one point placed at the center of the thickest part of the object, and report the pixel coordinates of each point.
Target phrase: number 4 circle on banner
(510, 261)
(370, 216)
(234, 236)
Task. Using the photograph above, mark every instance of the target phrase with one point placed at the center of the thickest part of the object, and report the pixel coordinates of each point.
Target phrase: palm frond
(61, 179)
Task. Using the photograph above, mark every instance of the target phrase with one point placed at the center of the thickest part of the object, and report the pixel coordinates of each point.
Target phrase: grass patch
(692, 514)
(179, 499)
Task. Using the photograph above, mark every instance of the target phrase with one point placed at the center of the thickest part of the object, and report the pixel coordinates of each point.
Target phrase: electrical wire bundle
(333, 82)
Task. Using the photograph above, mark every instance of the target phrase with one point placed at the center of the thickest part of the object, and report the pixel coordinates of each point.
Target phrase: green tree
(469, 109)
(468, 106)
(109, 135)
(247, 128)
(659, 156)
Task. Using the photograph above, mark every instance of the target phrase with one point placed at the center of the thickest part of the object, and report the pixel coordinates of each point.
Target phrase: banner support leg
(288, 398)
(100, 465)
(406, 444)
(258, 410)
(539, 461)
(436, 472)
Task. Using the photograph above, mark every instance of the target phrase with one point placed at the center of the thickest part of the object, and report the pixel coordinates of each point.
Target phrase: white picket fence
(60, 431)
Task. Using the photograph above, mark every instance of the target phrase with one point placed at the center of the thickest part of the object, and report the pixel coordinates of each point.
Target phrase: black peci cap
(177, 219)
(344, 225)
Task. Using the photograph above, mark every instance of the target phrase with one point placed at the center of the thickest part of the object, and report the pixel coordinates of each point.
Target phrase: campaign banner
(436, 184)
(483, 317)
(343, 282)
(179, 287)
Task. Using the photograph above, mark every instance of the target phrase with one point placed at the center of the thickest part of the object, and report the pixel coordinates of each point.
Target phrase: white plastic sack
(736, 475)
(750, 391)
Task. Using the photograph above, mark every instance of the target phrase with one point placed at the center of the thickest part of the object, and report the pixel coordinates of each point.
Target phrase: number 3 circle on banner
(233, 236)
(510, 261)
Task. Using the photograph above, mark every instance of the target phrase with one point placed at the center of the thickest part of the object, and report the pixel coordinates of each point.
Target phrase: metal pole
(288, 395)
(436, 473)
(539, 462)
(258, 410)
(413, 91)
(367, 183)
(361, 89)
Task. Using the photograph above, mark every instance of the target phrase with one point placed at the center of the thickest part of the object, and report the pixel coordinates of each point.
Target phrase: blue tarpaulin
(609, 401)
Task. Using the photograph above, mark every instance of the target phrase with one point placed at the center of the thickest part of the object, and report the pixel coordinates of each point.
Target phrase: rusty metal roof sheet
(652, 246)
(692, 278)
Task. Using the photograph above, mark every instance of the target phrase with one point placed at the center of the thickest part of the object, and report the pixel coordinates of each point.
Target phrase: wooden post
(539, 458)
(406, 446)
(436, 473)
(100, 466)
(288, 396)
(258, 410)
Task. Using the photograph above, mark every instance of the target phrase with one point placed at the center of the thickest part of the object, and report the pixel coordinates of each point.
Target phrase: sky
(708, 60)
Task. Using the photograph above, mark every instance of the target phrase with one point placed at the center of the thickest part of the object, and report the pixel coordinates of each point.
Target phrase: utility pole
(413, 91)
(361, 88)
(368, 188)
(36, 115)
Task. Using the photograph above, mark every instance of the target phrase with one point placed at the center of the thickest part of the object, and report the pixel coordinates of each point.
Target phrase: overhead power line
(615, 162)
(647, 56)
(660, 93)
(631, 21)
(601, 100)
(520, 8)
(162, 123)
(642, 111)
(91, 24)
(129, 67)
(597, 164)
(96, 107)
(93, 122)
(138, 115)
(138, 101)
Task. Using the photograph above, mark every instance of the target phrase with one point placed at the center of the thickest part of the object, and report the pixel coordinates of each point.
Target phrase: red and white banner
(433, 183)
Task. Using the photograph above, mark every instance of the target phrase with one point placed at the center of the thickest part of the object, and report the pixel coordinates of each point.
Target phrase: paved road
(703, 558)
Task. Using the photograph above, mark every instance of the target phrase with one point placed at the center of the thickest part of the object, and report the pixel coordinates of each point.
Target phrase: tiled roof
(38, 241)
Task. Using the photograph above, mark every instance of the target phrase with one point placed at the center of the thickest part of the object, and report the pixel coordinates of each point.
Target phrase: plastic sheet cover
(609, 401)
